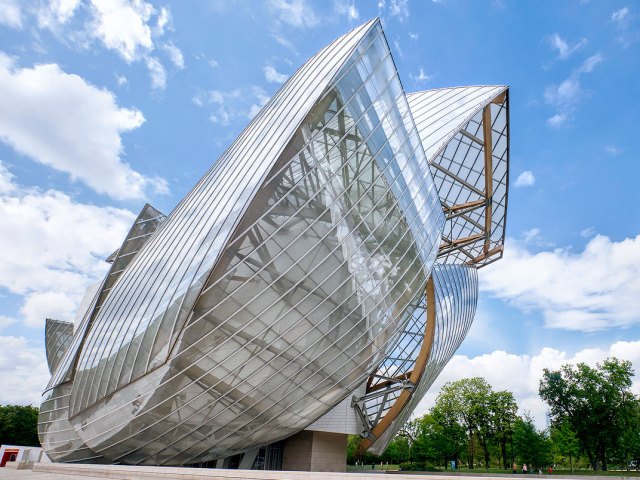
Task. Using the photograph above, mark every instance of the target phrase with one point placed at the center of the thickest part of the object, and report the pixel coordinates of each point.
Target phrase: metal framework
(470, 169)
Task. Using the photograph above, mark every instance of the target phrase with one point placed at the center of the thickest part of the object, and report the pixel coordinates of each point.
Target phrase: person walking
(515, 467)
(524, 468)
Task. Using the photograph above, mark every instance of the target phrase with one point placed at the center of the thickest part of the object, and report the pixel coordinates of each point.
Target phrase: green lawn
(466, 471)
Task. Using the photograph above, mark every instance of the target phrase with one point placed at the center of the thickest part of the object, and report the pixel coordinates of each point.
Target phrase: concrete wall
(314, 451)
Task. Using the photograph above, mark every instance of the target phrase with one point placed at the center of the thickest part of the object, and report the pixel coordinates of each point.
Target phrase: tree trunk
(486, 453)
(503, 451)
(592, 461)
(603, 457)
(471, 449)
(571, 462)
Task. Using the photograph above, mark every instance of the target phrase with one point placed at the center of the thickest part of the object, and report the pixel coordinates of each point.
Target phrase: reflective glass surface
(312, 286)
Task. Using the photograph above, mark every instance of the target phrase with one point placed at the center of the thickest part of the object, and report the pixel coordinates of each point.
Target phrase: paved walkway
(12, 474)
(56, 471)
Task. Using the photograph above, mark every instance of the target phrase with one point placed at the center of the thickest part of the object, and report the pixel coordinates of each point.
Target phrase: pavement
(152, 473)
(12, 474)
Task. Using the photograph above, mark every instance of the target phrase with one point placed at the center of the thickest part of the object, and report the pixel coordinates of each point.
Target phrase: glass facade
(57, 338)
(292, 271)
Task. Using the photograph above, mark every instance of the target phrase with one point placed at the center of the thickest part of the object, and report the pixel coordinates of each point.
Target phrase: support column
(313, 451)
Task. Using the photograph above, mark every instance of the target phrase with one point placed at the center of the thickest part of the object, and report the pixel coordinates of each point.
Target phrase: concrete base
(313, 451)
(19, 465)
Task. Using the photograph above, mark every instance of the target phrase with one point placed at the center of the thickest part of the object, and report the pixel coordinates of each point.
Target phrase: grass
(360, 468)
(465, 471)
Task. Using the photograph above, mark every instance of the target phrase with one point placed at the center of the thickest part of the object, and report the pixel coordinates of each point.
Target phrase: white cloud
(613, 150)
(422, 76)
(413, 36)
(398, 48)
(52, 248)
(60, 120)
(587, 232)
(157, 73)
(557, 120)
(128, 27)
(24, 371)
(232, 105)
(38, 306)
(400, 9)
(273, 76)
(56, 12)
(346, 8)
(531, 235)
(620, 16)
(6, 321)
(297, 13)
(566, 96)
(525, 179)
(6, 180)
(621, 20)
(261, 98)
(284, 42)
(175, 54)
(163, 22)
(563, 48)
(590, 63)
(121, 80)
(596, 289)
(521, 374)
(10, 14)
(122, 25)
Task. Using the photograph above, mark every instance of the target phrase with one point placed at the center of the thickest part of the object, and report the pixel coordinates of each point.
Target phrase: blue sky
(106, 104)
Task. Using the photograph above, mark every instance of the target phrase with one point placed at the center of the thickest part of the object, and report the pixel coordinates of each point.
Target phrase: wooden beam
(484, 256)
(461, 241)
(471, 137)
(462, 206)
(488, 174)
(500, 98)
(457, 178)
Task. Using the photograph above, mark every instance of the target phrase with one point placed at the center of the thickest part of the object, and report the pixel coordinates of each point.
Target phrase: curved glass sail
(57, 338)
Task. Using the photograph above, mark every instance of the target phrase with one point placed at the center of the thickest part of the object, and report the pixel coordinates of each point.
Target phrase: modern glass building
(313, 283)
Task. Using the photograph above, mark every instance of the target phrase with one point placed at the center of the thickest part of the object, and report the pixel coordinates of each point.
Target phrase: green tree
(531, 446)
(467, 400)
(503, 411)
(450, 439)
(629, 442)
(565, 442)
(19, 425)
(596, 402)
(398, 451)
(355, 452)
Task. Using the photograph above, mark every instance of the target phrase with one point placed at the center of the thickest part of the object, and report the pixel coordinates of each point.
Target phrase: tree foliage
(19, 425)
(530, 445)
(595, 421)
(596, 403)
(565, 442)
(486, 416)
